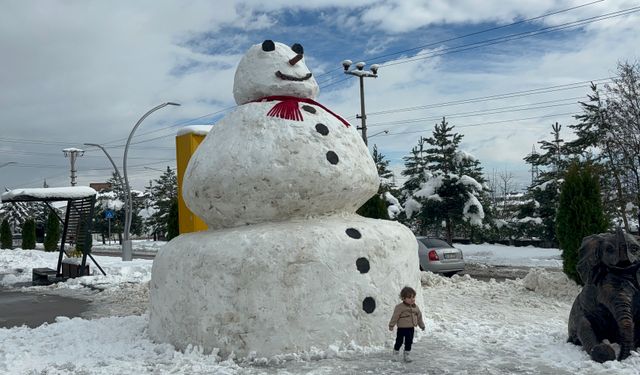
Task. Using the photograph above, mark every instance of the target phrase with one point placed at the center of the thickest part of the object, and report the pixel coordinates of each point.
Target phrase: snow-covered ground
(473, 327)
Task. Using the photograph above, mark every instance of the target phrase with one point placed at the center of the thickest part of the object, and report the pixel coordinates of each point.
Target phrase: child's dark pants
(405, 334)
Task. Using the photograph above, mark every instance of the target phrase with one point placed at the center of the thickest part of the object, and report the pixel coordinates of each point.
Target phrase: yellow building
(187, 141)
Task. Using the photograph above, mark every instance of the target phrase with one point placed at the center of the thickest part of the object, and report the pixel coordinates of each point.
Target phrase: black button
(353, 233)
(332, 157)
(368, 305)
(309, 108)
(363, 265)
(322, 129)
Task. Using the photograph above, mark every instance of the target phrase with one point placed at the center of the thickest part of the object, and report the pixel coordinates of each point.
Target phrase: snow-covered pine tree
(382, 165)
(594, 143)
(545, 190)
(163, 191)
(449, 195)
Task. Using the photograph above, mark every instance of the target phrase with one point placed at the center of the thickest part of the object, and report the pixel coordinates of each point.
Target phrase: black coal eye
(268, 45)
(297, 48)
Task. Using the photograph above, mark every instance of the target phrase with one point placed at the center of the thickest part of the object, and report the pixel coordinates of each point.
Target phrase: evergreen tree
(449, 195)
(6, 237)
(29, 234)
(385, 175)
(545, 189)
(594, 143)
(163, 192)
(173, 229)
(376, 206)
(52, 236)
(580, 214)
(414, 167)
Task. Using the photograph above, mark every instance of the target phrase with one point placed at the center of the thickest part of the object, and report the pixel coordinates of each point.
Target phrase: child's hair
(407, 292)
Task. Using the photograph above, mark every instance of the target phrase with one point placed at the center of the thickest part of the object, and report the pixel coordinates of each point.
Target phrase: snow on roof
(59, 193)
(195, 129)
(72, 149)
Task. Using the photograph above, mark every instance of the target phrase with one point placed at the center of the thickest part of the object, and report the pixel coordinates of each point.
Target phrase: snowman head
(273, 68)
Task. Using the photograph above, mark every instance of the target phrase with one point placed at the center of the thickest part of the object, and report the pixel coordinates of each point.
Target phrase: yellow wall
(186, 145)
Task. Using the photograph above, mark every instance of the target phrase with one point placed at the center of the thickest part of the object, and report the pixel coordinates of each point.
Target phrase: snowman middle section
(253, 168)
(283, 287)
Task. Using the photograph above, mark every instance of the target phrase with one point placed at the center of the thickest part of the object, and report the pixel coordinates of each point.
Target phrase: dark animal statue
(608, 307)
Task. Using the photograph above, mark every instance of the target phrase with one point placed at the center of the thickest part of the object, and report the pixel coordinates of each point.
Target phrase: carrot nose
(295, 60)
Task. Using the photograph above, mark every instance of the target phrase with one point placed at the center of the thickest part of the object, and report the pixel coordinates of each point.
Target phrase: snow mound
(430, 279)
(550, 284)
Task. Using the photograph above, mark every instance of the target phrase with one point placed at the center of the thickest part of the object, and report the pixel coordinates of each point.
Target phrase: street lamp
(115, 167)
(361, 73)
(378, 133)
(126, 242)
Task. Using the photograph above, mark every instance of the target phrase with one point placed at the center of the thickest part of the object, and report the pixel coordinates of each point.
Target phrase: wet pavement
(19, 308)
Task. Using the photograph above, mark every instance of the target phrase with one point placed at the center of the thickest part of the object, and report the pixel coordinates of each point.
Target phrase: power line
(488, 111)
(518, 36)
(485, 123)
(514, 94)
(476, 33)
(503, 39)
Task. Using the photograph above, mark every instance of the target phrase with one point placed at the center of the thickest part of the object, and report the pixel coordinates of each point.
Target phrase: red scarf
(288, 108)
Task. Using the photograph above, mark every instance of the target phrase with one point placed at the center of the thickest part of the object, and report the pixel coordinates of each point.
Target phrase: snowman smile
(286, 77)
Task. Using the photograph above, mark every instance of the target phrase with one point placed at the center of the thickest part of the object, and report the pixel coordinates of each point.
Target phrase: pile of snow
(502, 255)
(551, 284)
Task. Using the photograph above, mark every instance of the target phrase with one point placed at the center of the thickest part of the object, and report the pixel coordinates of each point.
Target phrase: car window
(434, 242)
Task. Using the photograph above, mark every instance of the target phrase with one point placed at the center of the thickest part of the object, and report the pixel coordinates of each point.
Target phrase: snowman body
(286, 264)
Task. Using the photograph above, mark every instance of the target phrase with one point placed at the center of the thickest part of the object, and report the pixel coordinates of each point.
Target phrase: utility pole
(72, 154)
(556, 133)
(534, 166)
(361, 73)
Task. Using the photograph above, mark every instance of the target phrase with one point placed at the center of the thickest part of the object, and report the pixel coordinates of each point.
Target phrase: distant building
(100, 186)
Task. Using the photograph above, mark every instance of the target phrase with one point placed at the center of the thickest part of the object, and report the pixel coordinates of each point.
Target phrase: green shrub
(6, 238)
(580, 214)
(29, 234)
(52, 235)
(375, 208)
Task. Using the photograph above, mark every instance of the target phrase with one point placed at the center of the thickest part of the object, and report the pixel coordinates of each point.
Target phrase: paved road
(33, 309)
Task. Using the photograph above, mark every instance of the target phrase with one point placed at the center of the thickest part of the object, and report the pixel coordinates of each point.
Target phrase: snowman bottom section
(282, 287)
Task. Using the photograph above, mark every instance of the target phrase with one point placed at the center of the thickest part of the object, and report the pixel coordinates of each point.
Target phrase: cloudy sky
(502, 72)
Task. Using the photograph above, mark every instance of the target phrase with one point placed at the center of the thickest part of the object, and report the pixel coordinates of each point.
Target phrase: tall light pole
(73, 154)
(126, 242)
(115, 167)
(361, 73)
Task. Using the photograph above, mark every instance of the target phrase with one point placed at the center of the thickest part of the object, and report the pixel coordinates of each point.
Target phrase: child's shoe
(407, 357)
(396, 355)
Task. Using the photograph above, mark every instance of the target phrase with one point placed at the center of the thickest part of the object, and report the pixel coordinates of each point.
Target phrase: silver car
(437, 256)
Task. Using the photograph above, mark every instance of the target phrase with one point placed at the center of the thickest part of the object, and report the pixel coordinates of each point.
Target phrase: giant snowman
(286, 264)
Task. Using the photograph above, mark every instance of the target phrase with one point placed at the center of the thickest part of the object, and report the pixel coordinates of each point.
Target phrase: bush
(580, 214)
(6, 238)
(29, 234)
(52, 235)
(375, 208)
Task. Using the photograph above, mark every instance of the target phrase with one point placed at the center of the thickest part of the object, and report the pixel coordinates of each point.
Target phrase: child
(406, 315)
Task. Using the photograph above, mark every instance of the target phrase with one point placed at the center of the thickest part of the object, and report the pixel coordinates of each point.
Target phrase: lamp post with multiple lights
(362, 74)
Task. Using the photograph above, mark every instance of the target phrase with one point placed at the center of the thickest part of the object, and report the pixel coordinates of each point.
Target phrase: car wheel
(421, 269)
(449, 274)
